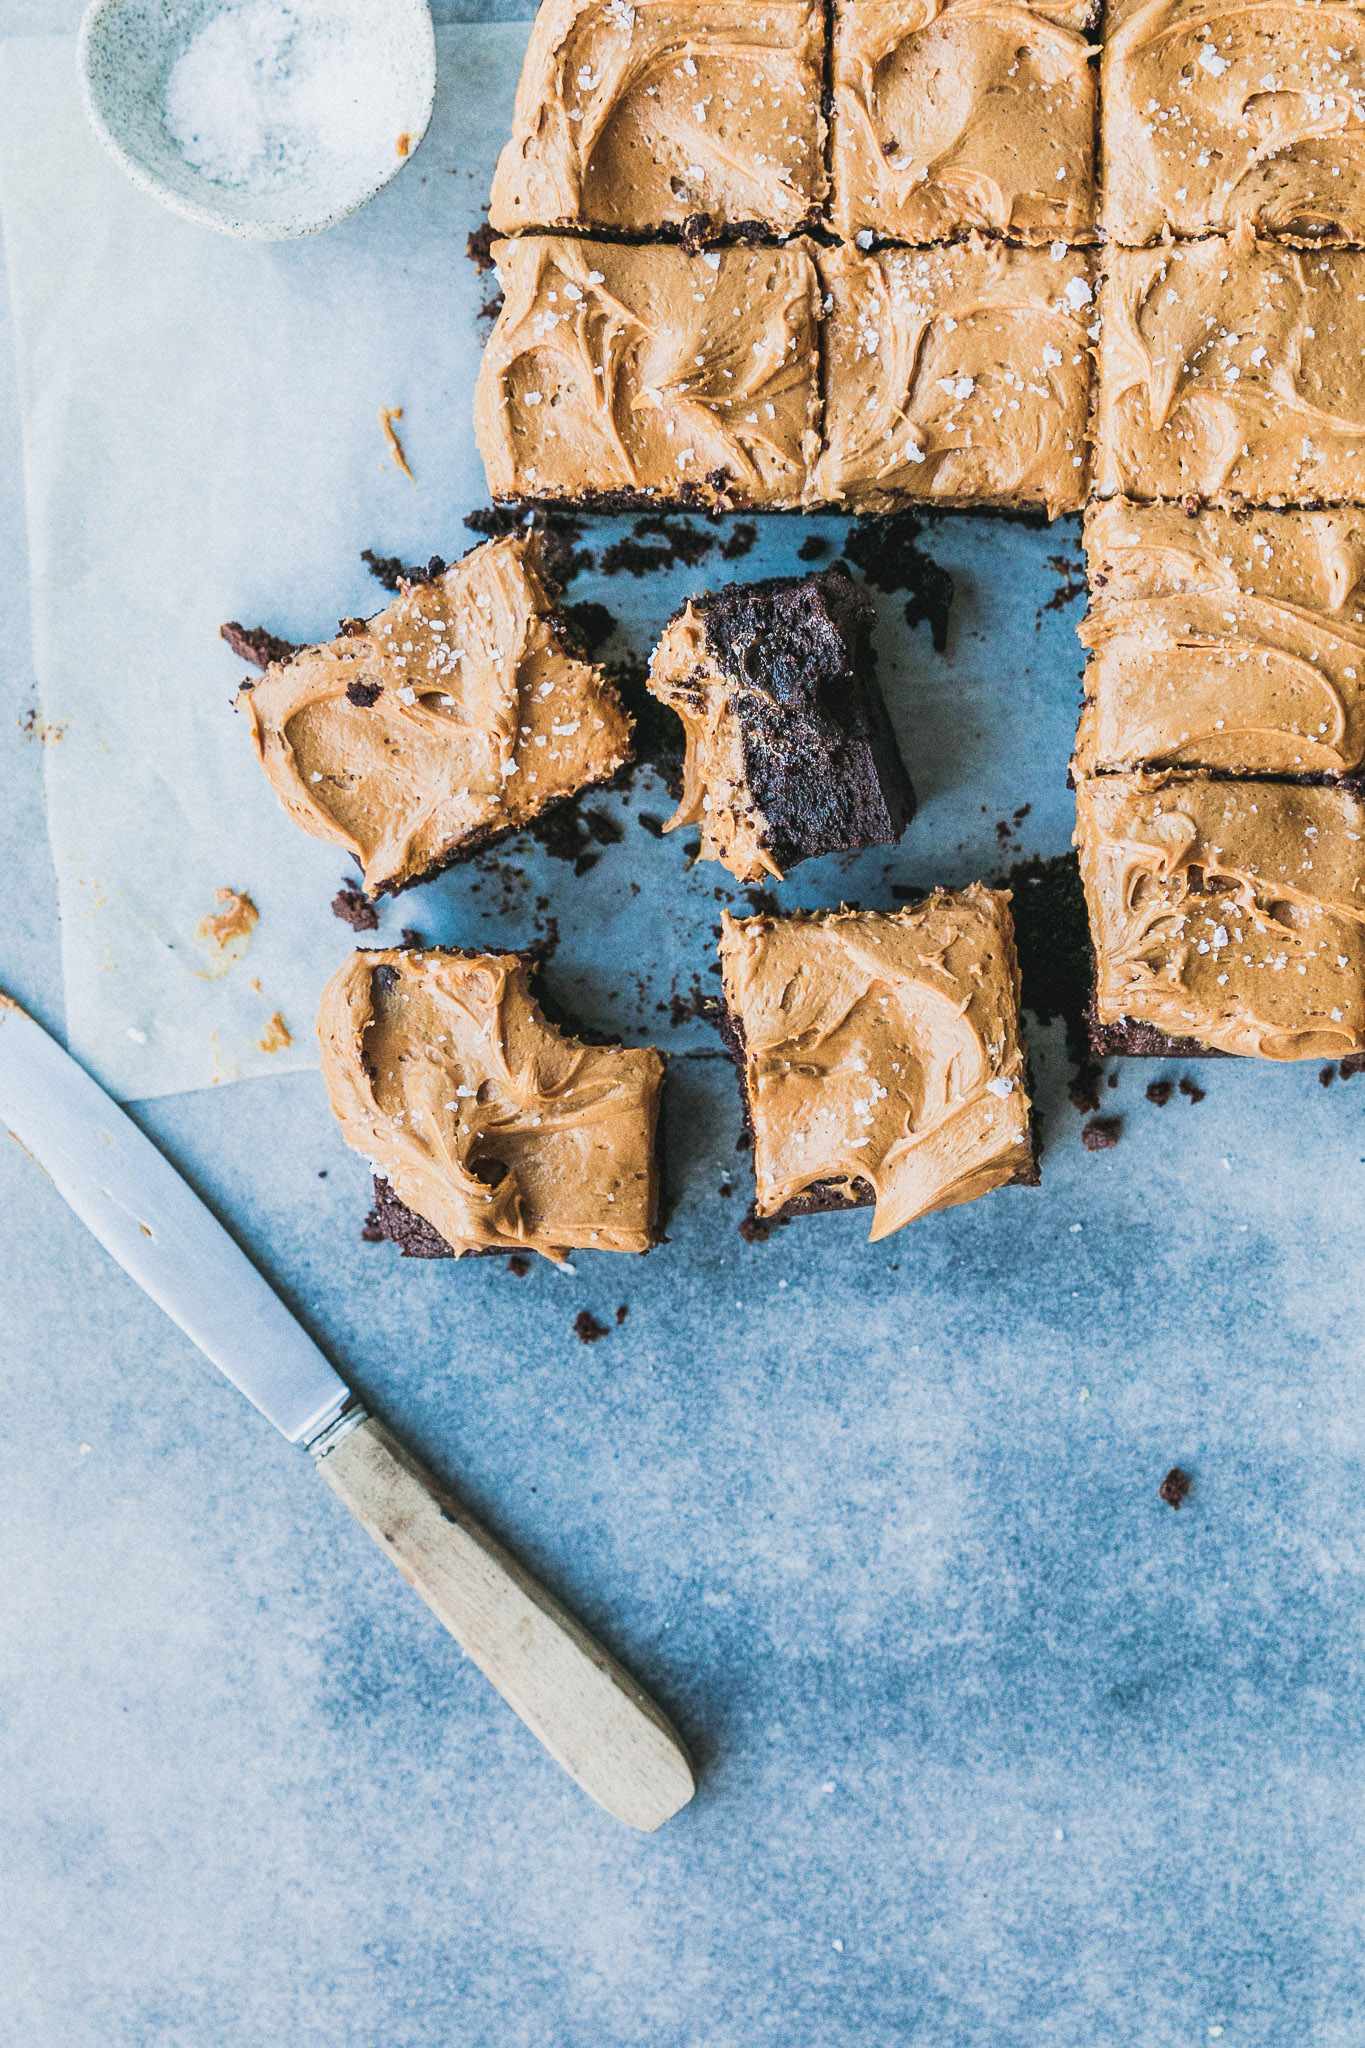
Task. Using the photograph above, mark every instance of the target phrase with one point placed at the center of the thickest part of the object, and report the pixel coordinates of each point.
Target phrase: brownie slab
(881, 1053)
(457, 713)
(644, 376)
(1232, 370)
(493, 1128)
(1224, 641)
(954, 116)
(1231, 913)
(790, 752)
(959, 375)
(657, 114)
(1215, 114)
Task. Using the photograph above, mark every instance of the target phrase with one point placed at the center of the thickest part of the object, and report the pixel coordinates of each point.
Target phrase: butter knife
(576, 1699)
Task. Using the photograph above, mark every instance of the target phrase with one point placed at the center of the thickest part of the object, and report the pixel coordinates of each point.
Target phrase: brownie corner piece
(881, 1056)
(488, 1127)
(790, 751)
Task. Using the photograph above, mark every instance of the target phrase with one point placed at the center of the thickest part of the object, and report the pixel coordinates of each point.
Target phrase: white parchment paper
(202, 443)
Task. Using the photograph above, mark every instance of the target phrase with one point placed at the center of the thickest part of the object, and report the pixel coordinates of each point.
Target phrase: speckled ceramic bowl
(128, 49)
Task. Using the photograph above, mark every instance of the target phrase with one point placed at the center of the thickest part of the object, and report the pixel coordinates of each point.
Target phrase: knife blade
(586, 1709)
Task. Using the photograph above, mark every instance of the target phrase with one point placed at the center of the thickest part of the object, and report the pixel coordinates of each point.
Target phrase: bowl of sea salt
(260, 118)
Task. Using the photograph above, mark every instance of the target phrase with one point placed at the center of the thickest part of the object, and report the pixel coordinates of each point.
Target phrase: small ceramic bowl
(385, 49)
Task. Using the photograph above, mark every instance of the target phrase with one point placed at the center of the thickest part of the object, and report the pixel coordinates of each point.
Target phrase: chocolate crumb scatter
(887, 551)
(1102, 1133)
(590, 626)
(410, 937)
(561, 558)
(1192, 1089)
(354, 909)
(586, 1327)
(660, 543)
(1353, 1064)
(1175, 1487)
(1084, 1090)
(518, 1266)
(739, 543)
(1327, 1076)
(812, 548)
(394, 573)
(1160, 1092)
(478, 247)
(370, 1231)
(621, 1314)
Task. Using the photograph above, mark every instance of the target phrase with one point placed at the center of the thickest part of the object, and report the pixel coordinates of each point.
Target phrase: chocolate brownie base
(824, 1195)
(391, 1219)
(1133, 1039)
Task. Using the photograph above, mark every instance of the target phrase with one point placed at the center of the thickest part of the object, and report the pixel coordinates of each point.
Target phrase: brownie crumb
(478, 247)
(659, 544)
(1353, 1064)
(744, 1142)
(354, 909)
(726, 1189)
(1192, 1089)
(394, 573)
(654, 826)
(1175, 1487)
(739, 543)
(518, 1265)
(696, 232)
(761, 902)
(812, 548)
(411, 938)
(364, 695)
(1327, 1076)
(1084, 1089)
(1102, 1133)
(1160, 1092)
(560, 532)
(754, 1230)
(889, 555)
(254, 644)
(370, 1231)
(590, 626)
(621, 1314)
(586, 1327)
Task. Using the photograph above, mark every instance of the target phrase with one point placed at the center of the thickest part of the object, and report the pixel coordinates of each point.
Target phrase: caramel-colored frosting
(452, 715)
(485, 1120)
(631, 114)
(954, 114)
(649, 371)
(1229, 912)
(684, 674)
(1222, 641)
(882, 1048)
(1232, 368)
(958, 374)
(1239, 110)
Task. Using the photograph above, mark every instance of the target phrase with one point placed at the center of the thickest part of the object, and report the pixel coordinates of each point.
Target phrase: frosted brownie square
(1224, 641)
(457, 714)
(643, 376)
(958, 375)
(1232, 369)
(790, 752)
(697, 116)
(1217, 114)
(1227, 914)
(489, 1130)
(953, 116)
(880, 1055)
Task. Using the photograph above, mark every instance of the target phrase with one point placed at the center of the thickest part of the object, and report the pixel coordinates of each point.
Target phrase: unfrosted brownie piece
(949, 115)
(880, 1055)
(1232, 369)
(643, 376)
(480, 1118)
(790, 752)
(1229, 913)
(958, 374)
(1224, 641)
(633, 117)
(1226, 112)
(456, 714)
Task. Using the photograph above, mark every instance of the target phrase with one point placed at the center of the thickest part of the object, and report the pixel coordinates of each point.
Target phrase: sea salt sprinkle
(257, 92)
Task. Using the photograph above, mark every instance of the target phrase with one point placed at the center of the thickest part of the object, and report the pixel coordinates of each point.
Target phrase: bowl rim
(224, 220)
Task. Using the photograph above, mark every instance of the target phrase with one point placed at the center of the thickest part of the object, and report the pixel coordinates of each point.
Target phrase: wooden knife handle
(589, 1713)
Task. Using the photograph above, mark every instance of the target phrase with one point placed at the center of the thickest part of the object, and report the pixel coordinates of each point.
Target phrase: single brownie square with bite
(635, 377)
(1232, 641)
(958, 374)
(1215, 115)
(1229, 915)
(790, 752)
(880, 1055)
(702, 117)
(455, 715)
(949, 115)
(484, 1122)
(1232, 370)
